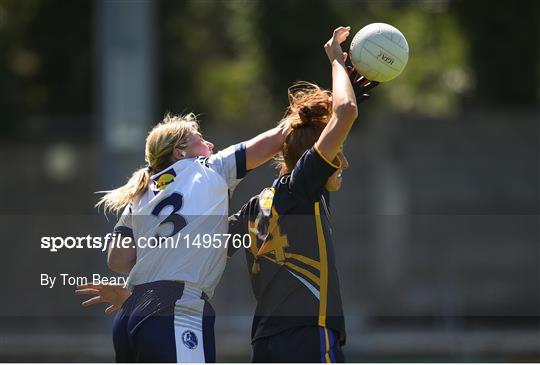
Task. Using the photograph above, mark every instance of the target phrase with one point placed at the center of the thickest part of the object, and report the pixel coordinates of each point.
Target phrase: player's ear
(178, 154)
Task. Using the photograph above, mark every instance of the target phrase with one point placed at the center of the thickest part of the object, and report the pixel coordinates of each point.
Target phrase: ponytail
(171, 133)
(115, 200)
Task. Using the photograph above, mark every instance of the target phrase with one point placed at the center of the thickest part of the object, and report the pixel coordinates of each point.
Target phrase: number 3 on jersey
(175, 200)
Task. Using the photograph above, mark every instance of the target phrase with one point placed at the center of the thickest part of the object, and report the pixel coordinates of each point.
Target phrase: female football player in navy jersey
(299, 315)
(291, 261)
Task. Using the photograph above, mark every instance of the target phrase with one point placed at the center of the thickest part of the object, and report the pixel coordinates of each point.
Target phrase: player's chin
(334, 184)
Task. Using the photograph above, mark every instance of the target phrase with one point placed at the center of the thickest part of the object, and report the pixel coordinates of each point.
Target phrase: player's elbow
(346, 111)
(120, 262)
(113, 262)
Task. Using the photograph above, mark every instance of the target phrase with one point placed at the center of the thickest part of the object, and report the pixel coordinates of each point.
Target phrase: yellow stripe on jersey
(327, 352)
(334, 165)
(269, 259)
(298, 269)
(306, 260)
(309, 275)
(324, 267)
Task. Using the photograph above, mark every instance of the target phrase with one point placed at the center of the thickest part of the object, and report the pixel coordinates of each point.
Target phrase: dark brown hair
(308, 113)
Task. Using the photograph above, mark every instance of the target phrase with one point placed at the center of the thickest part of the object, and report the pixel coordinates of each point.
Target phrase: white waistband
(192, 291)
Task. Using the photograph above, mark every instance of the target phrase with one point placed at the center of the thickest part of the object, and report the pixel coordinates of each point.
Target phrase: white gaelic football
(379, 52)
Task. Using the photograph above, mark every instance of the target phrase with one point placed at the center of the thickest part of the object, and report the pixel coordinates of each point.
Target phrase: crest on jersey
(189, 338)
(164, 179)
(266, 199)
(266, 214)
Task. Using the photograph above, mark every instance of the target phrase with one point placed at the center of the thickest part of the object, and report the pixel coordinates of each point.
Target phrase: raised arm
(344, 108)
(264, 146)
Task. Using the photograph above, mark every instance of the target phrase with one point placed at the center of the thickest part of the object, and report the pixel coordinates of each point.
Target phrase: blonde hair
(170, 133)
(308, 113)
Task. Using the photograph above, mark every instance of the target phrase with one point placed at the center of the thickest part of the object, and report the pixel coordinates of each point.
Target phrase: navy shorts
(299, 344)
(165, 321)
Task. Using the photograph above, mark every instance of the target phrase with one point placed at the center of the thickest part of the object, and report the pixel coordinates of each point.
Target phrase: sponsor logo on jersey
(164, 179)
(189, 338)
(266, 198)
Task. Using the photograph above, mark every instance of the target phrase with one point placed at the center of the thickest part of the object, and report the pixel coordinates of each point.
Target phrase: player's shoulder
(283, 187)
(311, 159)
(180, 173)
(210, 163)
(210, 168)
(164, 178)
(280, 195)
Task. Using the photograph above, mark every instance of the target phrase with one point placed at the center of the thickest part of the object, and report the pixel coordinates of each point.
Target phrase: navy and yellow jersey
(291, 257)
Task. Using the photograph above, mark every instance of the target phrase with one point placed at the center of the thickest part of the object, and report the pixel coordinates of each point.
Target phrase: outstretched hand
(333, 46)
(115, 295)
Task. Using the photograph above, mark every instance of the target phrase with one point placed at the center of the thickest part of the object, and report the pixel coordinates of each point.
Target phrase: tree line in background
(234, 60)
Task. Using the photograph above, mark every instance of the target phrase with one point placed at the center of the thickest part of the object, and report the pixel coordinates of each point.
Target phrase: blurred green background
(233, 60)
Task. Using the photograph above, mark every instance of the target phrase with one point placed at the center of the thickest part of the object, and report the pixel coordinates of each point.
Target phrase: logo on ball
(189, 338)
(385, 58)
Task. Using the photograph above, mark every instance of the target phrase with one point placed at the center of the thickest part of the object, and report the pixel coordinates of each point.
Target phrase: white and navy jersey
(186, 200)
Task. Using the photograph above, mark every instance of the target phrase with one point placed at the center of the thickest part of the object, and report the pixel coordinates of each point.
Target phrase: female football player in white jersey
(182, 193)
